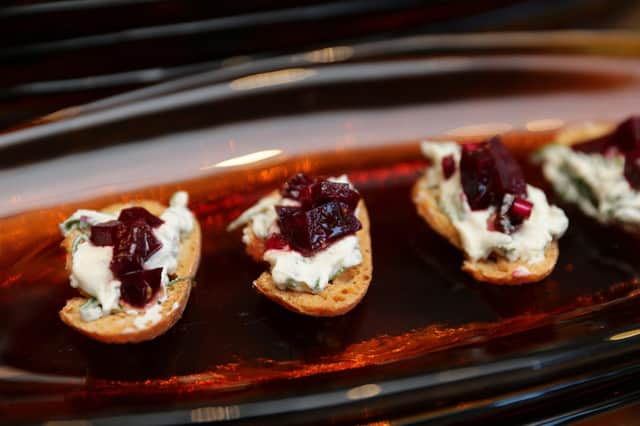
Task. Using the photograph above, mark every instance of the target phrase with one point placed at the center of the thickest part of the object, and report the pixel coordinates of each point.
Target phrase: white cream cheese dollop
(594, 182)
(90, 271)
(528, 243)
(291, 270)
(178, 222)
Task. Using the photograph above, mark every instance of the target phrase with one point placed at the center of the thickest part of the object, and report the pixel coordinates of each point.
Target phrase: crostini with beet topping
(475, 196)
(133, 265)
(314, 234)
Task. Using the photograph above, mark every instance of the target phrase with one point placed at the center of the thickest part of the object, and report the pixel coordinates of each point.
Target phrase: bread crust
(120, 327)
(344, 292)
(500, 271)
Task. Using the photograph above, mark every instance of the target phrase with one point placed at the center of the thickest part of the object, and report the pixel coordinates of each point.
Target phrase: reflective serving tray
(426, 343)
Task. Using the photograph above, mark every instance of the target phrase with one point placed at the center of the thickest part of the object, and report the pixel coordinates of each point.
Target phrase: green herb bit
(77, 241)
(584, 190)
(71, 223)
(291, 283)
(341, 270)
(88, 303)
(177, 280)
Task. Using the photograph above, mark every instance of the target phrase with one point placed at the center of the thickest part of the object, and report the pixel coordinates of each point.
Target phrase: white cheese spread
(528, 243)
(595, 183)
(151, 316)
(291, 270)
(90, 271)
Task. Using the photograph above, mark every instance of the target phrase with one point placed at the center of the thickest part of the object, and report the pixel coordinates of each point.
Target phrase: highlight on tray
(133, 265)
(314, 234)
(601, 175)
(475, 196)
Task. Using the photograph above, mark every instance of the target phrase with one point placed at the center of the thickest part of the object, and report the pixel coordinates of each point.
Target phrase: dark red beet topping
(448, 166)
(139, 214)
(508, 177)
(488, 174)
(326, 214)
(625, 140)
(133, 243)
(107, 233)
(476, 168)
(140, 286)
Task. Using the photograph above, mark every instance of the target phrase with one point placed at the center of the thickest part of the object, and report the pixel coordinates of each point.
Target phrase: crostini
(475, 196)
(133, 265)
(601, 175)
(314, 234)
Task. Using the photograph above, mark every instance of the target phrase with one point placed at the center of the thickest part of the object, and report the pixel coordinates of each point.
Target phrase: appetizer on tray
(133, 266)
(475, 196)
(600, 175)
(314, 234)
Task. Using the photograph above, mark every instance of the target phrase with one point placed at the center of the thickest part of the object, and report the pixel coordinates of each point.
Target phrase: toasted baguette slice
(339, 297)
(499, 271)
(120, 327)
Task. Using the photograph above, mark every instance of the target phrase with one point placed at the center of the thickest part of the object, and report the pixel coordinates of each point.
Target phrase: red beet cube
(139, 214)
(135, 246)
(325, 191)
(624, 139)
(632, 168)
(448, 166)
(295, 187)
(476, 169)
(520, 210)
(314, 229)
(123, 262)
(508, 178)
(627, 134)
(139, 287)
(107, 233)
(598, 145)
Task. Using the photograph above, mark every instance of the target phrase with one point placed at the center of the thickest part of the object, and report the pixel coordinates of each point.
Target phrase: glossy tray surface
(228, 137)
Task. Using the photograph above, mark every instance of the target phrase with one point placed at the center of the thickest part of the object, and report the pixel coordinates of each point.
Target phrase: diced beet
(625, 139)
(133, 243)
(325, 214)
(476, 168)
(448, 166)
(107, 233)
(139, 287)
(295, 186)
(508, 178)
(627, 134)
(296, 230)
(488, 173)
(632, 168)
(136, 246)
(123, 263)
(137, 214)
(284, 211)
(146, 243)
(598, 145)
(275, 242)
(520, 210)
(325, 191)
(313, 230)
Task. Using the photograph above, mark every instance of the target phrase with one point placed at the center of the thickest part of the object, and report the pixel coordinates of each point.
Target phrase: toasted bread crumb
(339, 297)
(500, 271)
(120, 327)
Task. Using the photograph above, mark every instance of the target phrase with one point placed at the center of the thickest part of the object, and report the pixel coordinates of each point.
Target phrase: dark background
(55, 54)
